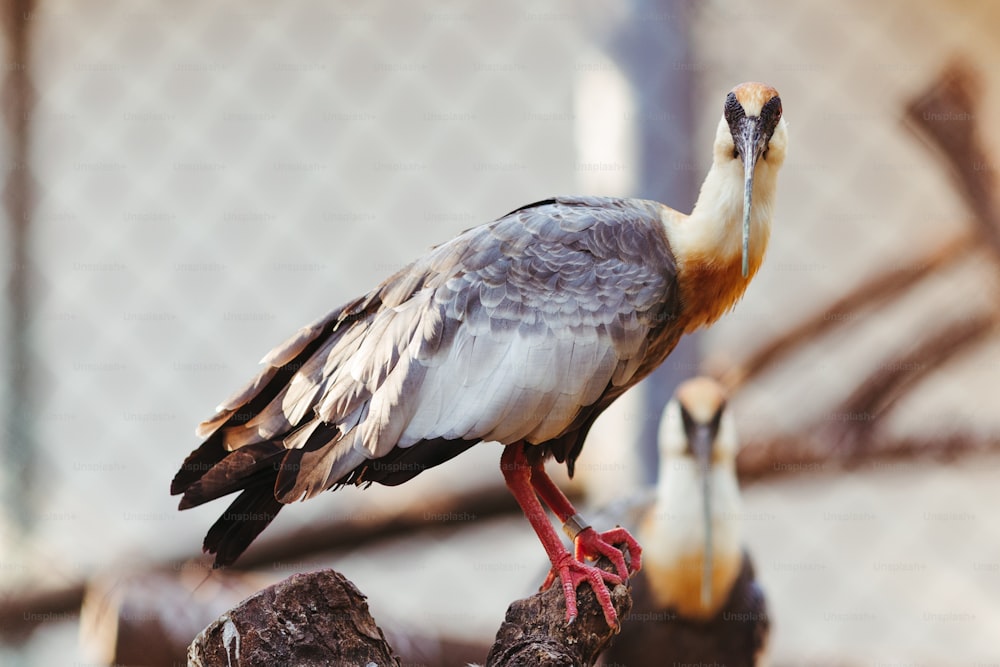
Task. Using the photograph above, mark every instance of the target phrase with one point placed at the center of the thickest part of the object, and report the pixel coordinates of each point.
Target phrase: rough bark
(320, 618)
(312, 619)
(535, 631)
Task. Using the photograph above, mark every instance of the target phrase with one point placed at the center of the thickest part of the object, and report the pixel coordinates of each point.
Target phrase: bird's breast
(677, 584)
(710, 288)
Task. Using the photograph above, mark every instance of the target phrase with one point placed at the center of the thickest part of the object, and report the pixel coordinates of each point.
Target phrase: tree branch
(320, 618)
(852, 436)
(878, 289)
(946, 114)
(535, 631)
(312, 619)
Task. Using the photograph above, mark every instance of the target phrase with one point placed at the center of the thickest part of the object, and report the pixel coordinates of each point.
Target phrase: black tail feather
(248, 515)
(239, 470)
(211, 472)
(198, 462)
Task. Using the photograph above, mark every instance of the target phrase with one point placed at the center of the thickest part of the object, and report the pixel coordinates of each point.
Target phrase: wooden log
(535, 631)
(320, 618)
(312, 619)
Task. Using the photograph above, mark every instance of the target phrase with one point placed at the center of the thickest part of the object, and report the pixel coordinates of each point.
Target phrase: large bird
(697, 600)
(520, 331)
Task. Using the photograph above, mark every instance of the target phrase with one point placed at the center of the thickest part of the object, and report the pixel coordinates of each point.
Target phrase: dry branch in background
(879, 288)
(946, 114)
(148, 617)
(346, 532)
(852, 438)
(21, 612)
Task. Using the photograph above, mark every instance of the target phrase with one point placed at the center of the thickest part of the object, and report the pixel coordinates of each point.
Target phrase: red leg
(518, 474)
(587, 543)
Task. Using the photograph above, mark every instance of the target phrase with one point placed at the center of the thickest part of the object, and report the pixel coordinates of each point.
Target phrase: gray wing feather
(272, 361)
(506, 332)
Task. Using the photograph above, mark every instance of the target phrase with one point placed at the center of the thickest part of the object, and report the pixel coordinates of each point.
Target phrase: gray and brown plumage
(522, 331)
(697, 599)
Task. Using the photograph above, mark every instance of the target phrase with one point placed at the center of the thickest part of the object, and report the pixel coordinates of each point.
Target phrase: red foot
(591, 544)
(572, 571)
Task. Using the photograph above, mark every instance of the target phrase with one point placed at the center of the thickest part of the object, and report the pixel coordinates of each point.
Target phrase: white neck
(707, 244)
(673, 536)
(715, 227)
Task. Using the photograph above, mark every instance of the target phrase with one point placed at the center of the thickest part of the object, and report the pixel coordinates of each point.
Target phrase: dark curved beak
(702, 444)
(751, 144)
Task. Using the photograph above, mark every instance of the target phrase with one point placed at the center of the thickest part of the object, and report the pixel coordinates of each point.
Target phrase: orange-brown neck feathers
(710, 288)
(678, 585)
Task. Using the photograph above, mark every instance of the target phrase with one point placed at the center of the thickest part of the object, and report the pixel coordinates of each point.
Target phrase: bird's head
(751, 135)
(697, 426)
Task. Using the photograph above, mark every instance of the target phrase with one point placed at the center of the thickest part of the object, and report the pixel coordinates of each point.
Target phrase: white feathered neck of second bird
(708, 243)
(673, 532)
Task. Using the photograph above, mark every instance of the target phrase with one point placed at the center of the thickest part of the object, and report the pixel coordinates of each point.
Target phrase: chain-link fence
(208, 177)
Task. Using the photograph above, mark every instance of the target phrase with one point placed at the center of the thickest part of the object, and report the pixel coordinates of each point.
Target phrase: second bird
(697, 600)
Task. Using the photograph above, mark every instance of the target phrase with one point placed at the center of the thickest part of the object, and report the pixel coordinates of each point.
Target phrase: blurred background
(188, 183)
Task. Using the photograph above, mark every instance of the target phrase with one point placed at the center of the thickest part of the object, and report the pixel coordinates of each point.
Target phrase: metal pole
(653, 50)
(18, 444)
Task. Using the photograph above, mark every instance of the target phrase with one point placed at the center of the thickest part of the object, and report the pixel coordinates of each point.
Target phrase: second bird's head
(751, 136)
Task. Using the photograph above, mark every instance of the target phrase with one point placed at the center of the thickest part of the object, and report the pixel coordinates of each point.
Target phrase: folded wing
(514, 330)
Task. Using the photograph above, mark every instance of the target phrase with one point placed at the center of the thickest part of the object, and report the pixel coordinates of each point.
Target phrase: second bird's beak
(751, 144)
(704, 437)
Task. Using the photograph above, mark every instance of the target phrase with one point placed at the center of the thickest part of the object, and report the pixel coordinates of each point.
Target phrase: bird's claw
(572, 571)
(591, 544)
